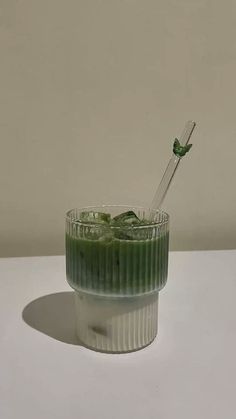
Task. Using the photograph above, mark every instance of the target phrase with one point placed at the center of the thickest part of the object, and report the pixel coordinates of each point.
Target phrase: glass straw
(171, 168)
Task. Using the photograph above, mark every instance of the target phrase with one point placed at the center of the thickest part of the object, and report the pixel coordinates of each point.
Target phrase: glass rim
(162, 222)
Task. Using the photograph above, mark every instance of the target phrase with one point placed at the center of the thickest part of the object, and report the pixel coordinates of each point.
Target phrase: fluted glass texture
(101, 260)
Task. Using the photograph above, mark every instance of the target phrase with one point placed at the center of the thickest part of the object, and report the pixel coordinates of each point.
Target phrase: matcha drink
(116, 260)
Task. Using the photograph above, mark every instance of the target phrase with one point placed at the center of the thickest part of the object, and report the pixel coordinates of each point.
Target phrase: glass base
(116, 324)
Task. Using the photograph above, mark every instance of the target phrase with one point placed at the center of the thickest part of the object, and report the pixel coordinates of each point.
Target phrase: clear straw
(171, 168)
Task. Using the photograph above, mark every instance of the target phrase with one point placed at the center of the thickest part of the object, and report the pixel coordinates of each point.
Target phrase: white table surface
(189, 372)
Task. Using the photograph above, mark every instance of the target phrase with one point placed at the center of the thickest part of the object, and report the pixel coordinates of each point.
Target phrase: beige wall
(92, 94)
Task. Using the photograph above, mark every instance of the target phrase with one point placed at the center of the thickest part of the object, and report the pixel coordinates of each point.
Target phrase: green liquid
(117, 267)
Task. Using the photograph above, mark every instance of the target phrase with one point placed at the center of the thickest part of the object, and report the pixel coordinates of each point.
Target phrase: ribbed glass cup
(117, 273)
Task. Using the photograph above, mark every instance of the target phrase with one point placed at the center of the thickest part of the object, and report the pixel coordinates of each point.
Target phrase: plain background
(92, 94)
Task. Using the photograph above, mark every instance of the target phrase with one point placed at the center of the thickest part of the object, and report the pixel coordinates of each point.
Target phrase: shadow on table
(53, 315)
